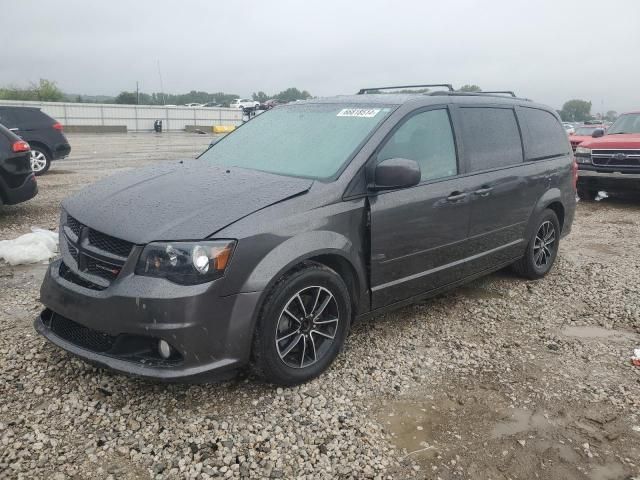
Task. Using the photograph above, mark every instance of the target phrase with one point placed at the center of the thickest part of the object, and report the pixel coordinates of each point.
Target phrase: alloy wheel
(38, 161)
(544, 244)
(307, 327)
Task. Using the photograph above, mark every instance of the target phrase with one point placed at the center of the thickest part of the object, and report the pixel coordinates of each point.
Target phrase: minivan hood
(624, 140)
(186, 201)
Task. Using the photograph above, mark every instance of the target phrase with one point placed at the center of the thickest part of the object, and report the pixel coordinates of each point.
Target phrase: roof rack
(478, 94)
(366, 90)
(501, 92)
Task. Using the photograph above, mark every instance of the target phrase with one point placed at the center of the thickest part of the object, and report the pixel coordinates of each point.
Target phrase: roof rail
(502, 92)
(478, 94)
(366, 90)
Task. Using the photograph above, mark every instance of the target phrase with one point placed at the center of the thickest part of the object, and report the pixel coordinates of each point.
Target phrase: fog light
(164, 349)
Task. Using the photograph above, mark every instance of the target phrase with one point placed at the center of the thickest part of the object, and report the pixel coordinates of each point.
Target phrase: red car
(583, 133)
(611, 162)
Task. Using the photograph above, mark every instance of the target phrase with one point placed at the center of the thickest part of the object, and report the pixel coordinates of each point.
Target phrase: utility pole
(161, 85)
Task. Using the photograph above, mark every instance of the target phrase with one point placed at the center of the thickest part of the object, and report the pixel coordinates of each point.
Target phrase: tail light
(58, 126)
(20, 146)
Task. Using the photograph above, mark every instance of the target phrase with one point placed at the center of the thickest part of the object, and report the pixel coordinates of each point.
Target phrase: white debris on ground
(34, 247)
(601, 195)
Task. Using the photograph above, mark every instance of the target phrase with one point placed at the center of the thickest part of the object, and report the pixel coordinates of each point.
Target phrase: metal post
(102, 114)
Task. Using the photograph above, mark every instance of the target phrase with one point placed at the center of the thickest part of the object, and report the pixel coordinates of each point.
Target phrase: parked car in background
(212, 104)
(244, 103)
(569, 128)
(272, 102)
(193, 105)
(266, 248)
(610, 161)
(17, 181)
(43, 133)
(583, 133)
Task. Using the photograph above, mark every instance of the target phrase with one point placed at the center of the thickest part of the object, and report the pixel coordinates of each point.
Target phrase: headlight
(583, 151)
(187, 263)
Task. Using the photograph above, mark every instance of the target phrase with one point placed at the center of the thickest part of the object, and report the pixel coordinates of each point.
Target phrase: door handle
(456, 196)
(484, 191)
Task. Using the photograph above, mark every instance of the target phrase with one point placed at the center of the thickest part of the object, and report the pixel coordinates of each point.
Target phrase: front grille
(80, 335)
(94, 253)
(110, 244)
(616, 158)
(65, 272)
(102, 269)
(74, 225)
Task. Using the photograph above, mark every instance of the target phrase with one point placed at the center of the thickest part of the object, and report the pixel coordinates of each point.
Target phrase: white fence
(134, 117)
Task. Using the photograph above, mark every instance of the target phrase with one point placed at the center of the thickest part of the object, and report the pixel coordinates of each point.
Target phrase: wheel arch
(330, 249)
(42, 146)
(551, 199)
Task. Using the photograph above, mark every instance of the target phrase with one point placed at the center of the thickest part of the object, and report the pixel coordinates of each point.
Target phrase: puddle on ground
(590, 332)
(410, 424)
(520, 421)
(600, 248)
(609, 471)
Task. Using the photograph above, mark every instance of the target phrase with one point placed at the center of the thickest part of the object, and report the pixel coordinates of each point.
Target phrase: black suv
(17, 182)
(313, 214)
(43, 133)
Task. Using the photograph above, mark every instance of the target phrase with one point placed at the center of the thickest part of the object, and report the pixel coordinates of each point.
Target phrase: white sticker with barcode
(358, 112)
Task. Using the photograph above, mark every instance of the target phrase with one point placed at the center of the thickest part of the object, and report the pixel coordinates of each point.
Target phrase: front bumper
(210, 334)
(609, 181)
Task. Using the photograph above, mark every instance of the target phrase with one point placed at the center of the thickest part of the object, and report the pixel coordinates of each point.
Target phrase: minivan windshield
(628, 123)
(304, 140)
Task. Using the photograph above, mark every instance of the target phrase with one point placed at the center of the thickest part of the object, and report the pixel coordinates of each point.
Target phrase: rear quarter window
(30, 118)
(543, 135)
(491, 137)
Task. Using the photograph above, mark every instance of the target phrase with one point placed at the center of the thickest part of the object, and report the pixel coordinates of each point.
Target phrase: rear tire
(302, 326)
(40, 160)
(542, 249)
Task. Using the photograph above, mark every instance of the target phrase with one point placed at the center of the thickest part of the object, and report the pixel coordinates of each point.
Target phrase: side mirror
(396, 173)
(598, 132)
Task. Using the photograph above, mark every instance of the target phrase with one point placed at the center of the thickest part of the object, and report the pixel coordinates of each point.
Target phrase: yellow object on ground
(223, 128)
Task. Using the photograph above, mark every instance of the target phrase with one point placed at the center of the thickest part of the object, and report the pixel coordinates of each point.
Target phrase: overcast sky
(547, 50)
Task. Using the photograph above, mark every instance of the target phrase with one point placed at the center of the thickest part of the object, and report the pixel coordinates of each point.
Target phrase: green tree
(611, 115)
(47, 91)
(576, 111)
(470, 88)
(126, 98)
(292, 94)
(260, 96)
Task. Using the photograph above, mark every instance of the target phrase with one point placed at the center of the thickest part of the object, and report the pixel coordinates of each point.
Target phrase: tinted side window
(543, 135)
(491, 137)
(426, 138)
(30, 117)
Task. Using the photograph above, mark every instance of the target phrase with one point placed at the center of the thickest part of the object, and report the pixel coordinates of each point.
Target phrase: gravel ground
(501, 379)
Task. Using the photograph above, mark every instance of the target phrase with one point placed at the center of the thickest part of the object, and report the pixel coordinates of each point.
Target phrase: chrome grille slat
(613, 158)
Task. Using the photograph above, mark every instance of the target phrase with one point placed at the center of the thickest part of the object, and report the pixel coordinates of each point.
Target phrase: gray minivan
(266, 248)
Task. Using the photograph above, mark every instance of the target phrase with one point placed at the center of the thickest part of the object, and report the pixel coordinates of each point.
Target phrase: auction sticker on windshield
(358, 112)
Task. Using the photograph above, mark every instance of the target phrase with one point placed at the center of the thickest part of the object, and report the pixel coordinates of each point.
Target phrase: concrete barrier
(95, 128)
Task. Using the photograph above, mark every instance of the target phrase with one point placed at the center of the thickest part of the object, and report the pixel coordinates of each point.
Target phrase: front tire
(542, 249)
(302, 326)
(40, 161)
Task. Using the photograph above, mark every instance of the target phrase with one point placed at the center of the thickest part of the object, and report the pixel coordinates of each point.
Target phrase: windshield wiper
(618, 133)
